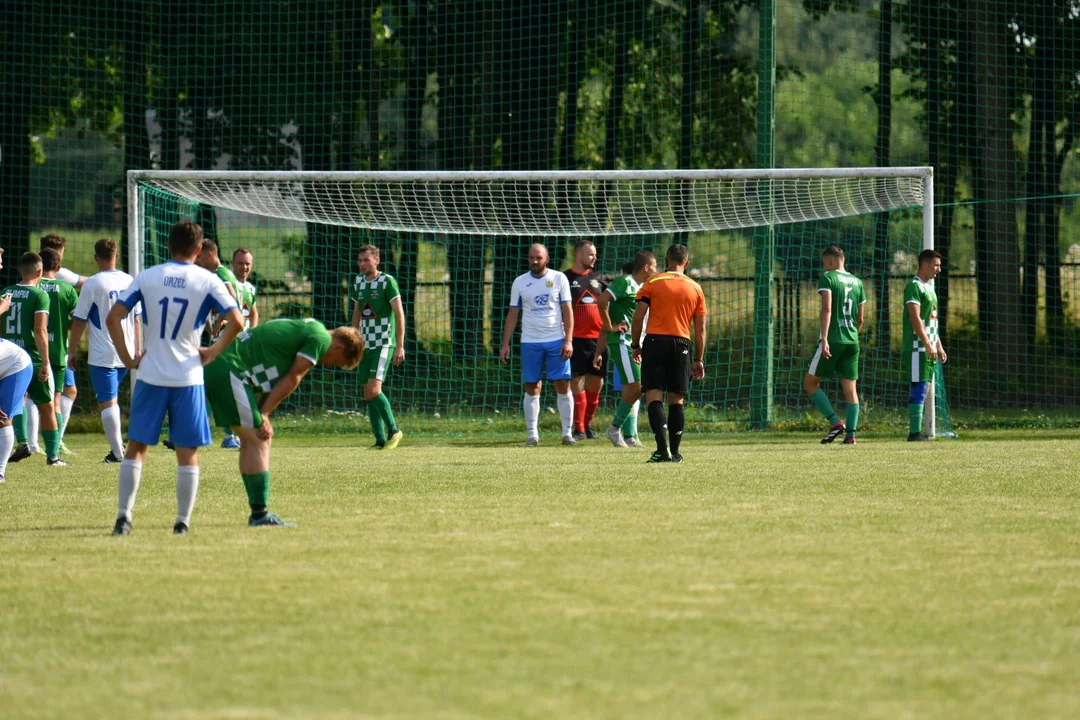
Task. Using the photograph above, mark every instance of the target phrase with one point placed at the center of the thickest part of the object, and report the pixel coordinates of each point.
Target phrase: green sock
(915, 413)
(378, 423)
(821, 402)
(621, 413)
(52, 443)
(851, 421)
(387, 413)
(60, 424)
(629, 428)
(258, 488)
(19, 424)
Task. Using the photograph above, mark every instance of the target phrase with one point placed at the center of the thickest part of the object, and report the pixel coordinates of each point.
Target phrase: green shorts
(374, 364)
(626, 370)
(919, 366)
(41, 392)
(232, 401)
(843, 364)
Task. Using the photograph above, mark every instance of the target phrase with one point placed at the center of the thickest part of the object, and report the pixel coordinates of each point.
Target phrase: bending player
(616, 306)
(176, 297)
(921, 345)
(380, 317)
(98, 296)
(270, 360)
(62, 302)
(26, 323)
(838, 351)
(16, 372)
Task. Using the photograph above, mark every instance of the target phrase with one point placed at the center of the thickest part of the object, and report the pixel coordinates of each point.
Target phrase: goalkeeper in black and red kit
(586, 287)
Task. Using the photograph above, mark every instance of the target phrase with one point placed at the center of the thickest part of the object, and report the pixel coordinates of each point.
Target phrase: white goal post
(555, 203)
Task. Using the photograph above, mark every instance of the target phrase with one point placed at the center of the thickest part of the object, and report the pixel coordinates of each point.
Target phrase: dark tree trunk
(528, 137)
(202, 76)
(354, 40)
(575, 64)
(690, 38)
(492, 76)
(883, 100)
(316, 140)
(372, 92)
(170, 58)
(995, 217)
(415, 37)
(464, 254)
(136, 139)
(16, 84)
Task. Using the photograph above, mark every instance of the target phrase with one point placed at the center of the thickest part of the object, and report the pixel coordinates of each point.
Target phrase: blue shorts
(189, 424)
(13, 389)
(536, 358)
(69, 377)
(106, 381)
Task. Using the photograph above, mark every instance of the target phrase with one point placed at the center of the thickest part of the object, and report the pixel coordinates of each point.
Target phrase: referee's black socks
(658, 423)
(676, 421)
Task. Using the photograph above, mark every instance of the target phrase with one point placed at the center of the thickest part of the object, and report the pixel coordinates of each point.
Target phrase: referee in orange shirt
(673, 302)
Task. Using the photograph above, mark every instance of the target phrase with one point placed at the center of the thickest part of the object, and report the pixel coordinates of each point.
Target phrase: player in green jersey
(380, 318)
(921, 346)
(26, 323)
(842, 303)
(270, 360)
(62, 302)
(242, 261)
(617, 305)
(209, 259)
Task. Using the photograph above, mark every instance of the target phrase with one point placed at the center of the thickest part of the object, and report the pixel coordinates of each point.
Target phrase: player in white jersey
(176, 297)
(16, 372)
(107, 371)
(542, 298)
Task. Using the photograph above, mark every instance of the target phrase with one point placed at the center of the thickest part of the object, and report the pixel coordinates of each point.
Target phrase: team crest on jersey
(594, 283)
(550, 283)
(368, 313)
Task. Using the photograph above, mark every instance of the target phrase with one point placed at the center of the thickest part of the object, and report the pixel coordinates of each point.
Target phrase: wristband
(635, 346)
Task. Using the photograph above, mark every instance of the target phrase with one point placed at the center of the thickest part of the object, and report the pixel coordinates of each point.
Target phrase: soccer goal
(453, 239)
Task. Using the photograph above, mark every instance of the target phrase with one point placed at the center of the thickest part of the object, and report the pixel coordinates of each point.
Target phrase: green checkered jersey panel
(267, 352)
(62, 302)
(917, 291)
(247, 301)
(377, 325)
(847, 295)
(621, 307)
(18, 322)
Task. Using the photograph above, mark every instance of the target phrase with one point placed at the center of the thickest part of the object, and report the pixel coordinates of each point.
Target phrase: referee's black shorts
(665, 364)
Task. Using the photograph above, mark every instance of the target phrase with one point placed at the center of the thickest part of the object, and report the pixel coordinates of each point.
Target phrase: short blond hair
(353, 342)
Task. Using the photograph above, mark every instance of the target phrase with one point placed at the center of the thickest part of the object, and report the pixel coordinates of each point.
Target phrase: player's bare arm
(605, 326)
(114, 321)
(282, 389)
(508, 331)
(138, 335)
(75, 333)
(913, 309)
(234, 323)
(941, 352)
(826, 321)
(399, 322)
(697, 370)
(568, 328)
(5, 304)
(355, 321)
(253, 315)
(861, 319)
(635, 329)
(41, 340)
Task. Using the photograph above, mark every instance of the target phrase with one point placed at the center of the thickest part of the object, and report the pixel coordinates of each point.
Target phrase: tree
(16, 90)
(884, 101)
(136, 138)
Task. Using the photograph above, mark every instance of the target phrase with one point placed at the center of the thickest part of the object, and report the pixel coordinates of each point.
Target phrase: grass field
(764, 577)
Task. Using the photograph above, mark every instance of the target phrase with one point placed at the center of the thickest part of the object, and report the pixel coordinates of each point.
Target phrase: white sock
(187, 487)
(33, 424)
(66, 404)
(130, 476)
(566, 411)
(531, 403)
(7, 442)
(634, 415)
(110, 418)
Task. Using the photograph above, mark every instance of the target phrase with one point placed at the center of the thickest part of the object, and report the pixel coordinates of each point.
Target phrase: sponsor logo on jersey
(574, 284)
(587, 299)
(368, 313)
(541, 300)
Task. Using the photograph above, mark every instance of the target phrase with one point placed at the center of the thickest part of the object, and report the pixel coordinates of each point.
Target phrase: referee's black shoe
(590, 434)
